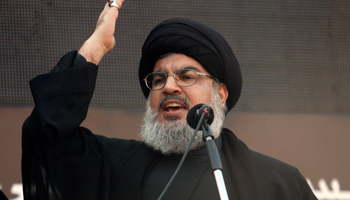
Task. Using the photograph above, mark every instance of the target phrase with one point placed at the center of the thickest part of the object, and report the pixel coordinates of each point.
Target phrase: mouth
(173, 107)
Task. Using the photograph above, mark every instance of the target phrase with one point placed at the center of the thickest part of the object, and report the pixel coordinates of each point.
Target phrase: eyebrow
(189, 67)
(183, 68)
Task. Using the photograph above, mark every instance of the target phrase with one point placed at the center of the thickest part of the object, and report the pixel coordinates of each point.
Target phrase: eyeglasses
(183, 77)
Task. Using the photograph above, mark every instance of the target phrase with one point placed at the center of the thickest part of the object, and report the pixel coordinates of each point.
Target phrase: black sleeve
(53, 143)
(62, 99)
(70, 61)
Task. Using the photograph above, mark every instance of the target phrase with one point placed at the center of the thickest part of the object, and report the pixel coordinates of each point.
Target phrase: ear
(222, 89)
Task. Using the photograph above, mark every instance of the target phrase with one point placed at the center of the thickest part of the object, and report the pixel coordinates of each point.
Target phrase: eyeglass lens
(185, 77)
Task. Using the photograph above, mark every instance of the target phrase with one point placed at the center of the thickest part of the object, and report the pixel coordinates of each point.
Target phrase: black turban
(199, 42)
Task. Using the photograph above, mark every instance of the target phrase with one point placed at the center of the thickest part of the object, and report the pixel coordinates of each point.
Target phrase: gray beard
(173, 136)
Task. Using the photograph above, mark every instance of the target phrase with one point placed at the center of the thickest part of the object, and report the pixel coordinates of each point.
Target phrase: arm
(62, 96)
(53, 143)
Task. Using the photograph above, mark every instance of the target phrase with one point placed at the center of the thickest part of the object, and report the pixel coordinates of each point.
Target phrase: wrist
(93, 51)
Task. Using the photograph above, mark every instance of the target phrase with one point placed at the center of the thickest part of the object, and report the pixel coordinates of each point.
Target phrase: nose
(171, 87)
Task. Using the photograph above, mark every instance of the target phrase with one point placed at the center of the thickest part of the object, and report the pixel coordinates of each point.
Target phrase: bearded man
(183, 63)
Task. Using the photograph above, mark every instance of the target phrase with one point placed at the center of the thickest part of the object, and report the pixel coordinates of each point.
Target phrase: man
(183, 63)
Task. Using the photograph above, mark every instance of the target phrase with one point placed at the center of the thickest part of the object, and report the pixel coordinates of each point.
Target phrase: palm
(102, 41)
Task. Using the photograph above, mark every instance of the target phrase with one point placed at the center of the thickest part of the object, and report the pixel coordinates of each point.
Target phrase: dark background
(294, 56)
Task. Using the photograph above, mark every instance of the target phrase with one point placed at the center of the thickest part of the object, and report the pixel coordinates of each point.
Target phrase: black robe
(62, 160)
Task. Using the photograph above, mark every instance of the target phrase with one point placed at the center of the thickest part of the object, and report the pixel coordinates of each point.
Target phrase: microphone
(194, 116)
(195, 113)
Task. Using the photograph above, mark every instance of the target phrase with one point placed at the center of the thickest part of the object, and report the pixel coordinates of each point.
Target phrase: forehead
(177, 61)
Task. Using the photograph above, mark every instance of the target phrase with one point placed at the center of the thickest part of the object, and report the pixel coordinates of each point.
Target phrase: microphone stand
(212, 151)
(214, 157)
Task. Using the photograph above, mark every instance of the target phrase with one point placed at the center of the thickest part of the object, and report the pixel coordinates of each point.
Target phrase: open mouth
(173, 106)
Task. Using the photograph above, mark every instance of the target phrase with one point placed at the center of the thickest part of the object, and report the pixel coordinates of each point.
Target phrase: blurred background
(294, 56)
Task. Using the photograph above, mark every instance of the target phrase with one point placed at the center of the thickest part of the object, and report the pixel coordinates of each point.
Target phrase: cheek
(199, 95)
(154, 100)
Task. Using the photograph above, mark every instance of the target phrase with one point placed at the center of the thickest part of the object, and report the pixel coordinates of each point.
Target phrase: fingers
(119, 3)
(108, 14)
(111, 8)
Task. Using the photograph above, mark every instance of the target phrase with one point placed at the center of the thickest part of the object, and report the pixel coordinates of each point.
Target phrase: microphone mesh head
(195, 113)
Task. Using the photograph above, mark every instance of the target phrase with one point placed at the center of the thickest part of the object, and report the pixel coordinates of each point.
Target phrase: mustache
(182, 99)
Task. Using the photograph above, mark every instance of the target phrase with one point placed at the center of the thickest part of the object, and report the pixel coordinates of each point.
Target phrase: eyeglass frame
(167, 75)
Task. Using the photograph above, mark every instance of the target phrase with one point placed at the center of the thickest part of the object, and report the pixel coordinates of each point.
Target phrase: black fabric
(199, 42)
(2, 196)
(62, 160)
(195, 170)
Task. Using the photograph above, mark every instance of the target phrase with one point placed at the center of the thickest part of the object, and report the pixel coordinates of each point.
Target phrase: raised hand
(102, 40)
